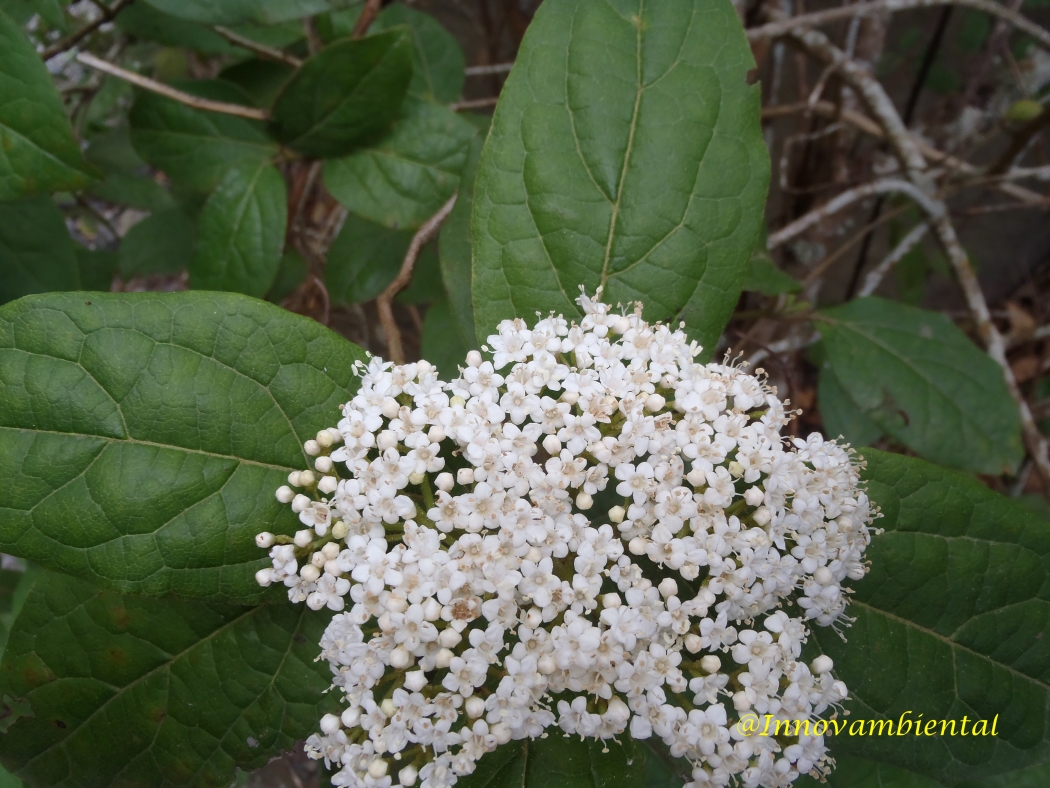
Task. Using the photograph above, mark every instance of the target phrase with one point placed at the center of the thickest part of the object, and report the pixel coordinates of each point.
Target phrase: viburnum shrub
(591, 533)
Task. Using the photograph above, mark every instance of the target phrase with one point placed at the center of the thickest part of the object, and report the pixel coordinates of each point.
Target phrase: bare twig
(847, 198)
(459, 106)
(152, 85)
(263, 51)
(496, 68)
(368, 16)
(314, 44)
(818, 46)
(878, 273)
(787, 345)
(1020, 141)
(385, 301)
(782, 27)
(108, 13)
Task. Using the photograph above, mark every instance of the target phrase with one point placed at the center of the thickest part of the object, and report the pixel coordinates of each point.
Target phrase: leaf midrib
(46, 153)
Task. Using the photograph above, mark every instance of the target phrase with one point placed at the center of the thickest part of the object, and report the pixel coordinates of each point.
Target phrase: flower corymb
(591, 534)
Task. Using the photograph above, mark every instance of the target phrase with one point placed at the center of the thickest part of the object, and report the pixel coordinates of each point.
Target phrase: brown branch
(108, 14)
(263, 51)
(782, 27)
(368, 16)
(252, 113)
(907, 243)
(902, 144)
(459, 106)
(385, 302)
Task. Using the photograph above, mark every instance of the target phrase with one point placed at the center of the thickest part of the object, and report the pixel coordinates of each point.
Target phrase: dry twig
(182, 97)
(385, 301)
(108, 14)
(263, 51)
(878, 273)
(368, 16)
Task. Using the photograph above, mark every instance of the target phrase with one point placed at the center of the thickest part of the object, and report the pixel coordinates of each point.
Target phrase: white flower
(474, 527)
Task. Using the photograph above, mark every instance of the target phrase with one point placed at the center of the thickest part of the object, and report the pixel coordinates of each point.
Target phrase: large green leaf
(950, 623)
(194, 146)
(841, 415)
(36, 253)
(363, 259)
(560, 761)
(111, 690)
(162, 243)
(853, 772)
(37, 150)
(437, 60)
(455, 251)
(346, 95)
(405, 179)
(625, 152)
(228, 12)
(241, 232)
(442, 345)
(147, 23)
(921, 380)
(142, 435)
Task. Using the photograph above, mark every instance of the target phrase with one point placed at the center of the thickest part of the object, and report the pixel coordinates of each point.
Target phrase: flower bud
(822, 664)
(571, 397)
(443, 658)
(328, 484)
(449, 638)
(431, 609)
(741, 701)
(823, 576)
(324, 439)
(390, 407)
(312, 448)
(387, 440)
(400, 658)
(612, 601)
(474, 707)
(377, 768)
(329, 724)
(534, 555)
(754, 496)
(693, 643)
(293, 479)
(474, 359)
(415, 680)
(457, 401)
(736, 470)
(264, 540)
(323, 464)
(534, 617)
(711, 663)
(408, 775)
(396, 604)
(762, 515)
(445, 481)
(546, 665)
(307, 478)
(620, 325)
(696, 477)
(654, 402)
(416, 478)
(637, 545)
(584, 501)
(310, 573)
(668, 587)
(304, 537)
(465, 476)
(351, 716)
(285, 493)
(552, 445)
(616, 514)
(501, 731)
(318, 559)
(436, 434)
(339, 530)
(264, 577)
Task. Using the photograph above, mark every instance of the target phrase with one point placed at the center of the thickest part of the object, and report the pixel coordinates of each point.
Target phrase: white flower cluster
(590, 531)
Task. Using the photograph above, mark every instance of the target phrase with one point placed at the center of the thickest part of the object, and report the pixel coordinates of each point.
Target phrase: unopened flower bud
(546, 665)
(264, 540)
(323, 464)
(445, 481)
(584, 501)
(318, 559)
(285, 494)
(696, 477)
(637, 545)
(339, 530)
(552, 445)
(330, 550)
(502, 732)
(436, 434)
(293, 479)
(474, 359)
(400, 658)
(616, 514)
(474, 707)
(654, 402)
(822, 664)
(465, 476)
(711, 663)
(611, 601)
(310, 573)
(534, 617)
(741, 701)
(431, 609)
(307, 478)
(620, 325)
(416, 478)
(304, 537)
(390, 408)
(668, 587)
(377, 768)
(449, 638)
(408, 775)
(329, 724)
(457, 401)
(328, 484)
(264, 577)
(693, 643)
(443, 658)
(387, 440)
(312, 448)
(762, 515)
(754, 496)
(571, 397)
(415, 680)
(823, 576)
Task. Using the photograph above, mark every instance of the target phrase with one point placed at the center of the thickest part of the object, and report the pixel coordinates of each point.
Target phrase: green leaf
(454, 249)
(36, 253)
(142, 435)
(842, 416)
(763, 276)
(363, 259)
(345, 96)
(135, 191)
(162, 243)
(437, 60)
(147, 23)
(950, 622)
(853, 772)
(442, 346)
(290, 274)
(1033, 777)
(241, 232)
(96, 268)
(560, 761)
(625, 152)
(922, 381)
(261, 80)
(131, 691)
(38, 152)
(229, 12)
(405, 179)
(425, 286)
(194, 146)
